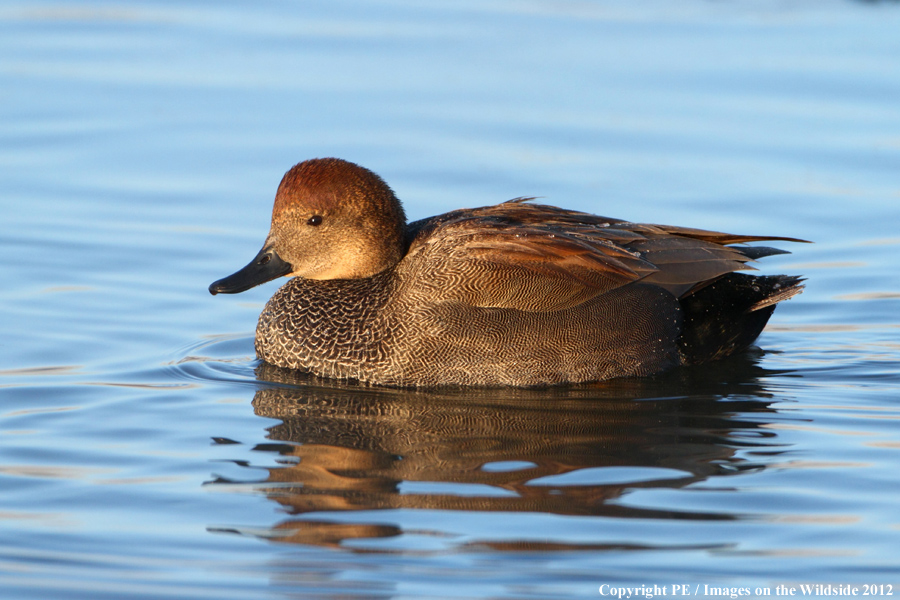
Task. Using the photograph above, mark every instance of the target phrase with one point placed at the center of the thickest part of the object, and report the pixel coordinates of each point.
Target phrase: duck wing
(535, 257)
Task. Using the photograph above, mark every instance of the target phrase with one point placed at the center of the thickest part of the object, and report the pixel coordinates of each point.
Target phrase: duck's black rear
(727, 315)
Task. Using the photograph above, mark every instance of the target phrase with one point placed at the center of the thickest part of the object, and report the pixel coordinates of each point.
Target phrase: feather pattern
(510, 254)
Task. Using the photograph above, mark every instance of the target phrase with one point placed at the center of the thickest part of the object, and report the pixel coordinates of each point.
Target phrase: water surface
(144, 453)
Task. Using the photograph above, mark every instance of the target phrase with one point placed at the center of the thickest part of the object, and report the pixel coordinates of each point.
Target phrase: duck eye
(266, 258)
(314, 220)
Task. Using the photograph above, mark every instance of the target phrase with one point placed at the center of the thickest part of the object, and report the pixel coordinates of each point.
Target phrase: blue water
(144, 453)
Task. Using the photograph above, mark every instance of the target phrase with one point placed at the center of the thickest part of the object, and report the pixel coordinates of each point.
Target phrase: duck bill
(265, 266)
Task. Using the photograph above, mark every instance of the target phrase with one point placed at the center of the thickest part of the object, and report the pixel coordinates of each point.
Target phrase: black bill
(266, 266)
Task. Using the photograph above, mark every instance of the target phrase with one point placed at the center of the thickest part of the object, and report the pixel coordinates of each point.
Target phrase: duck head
(332, 219)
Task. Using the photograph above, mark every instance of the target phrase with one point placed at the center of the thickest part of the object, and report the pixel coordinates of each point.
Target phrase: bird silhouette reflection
(344, 447)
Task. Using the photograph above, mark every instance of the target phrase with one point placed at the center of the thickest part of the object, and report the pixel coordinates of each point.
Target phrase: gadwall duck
(517, 294)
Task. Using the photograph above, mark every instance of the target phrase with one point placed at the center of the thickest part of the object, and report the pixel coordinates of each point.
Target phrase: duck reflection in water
(352, 448)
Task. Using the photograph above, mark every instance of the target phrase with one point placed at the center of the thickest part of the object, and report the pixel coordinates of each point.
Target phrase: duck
(516, 294)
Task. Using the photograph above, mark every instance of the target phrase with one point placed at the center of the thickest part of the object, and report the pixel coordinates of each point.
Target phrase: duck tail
(726, 316)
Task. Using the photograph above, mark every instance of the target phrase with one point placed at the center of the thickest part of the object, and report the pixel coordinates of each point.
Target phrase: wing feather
(540, 258)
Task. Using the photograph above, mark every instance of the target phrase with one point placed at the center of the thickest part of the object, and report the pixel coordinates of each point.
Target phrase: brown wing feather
(715, 237)
(684, 262)
(524, 256)
(536, 257)
(690, 258)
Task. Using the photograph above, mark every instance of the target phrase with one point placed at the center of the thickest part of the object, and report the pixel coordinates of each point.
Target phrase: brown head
(332, 219)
